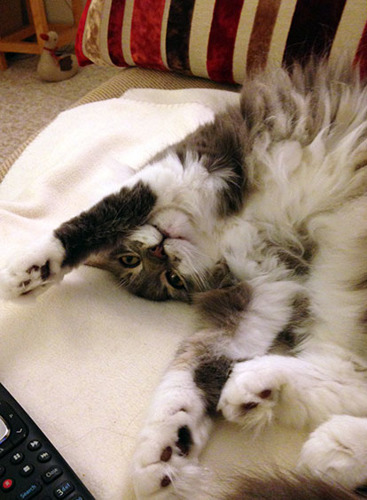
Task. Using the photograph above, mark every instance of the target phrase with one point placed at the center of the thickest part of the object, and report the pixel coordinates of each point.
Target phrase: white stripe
(103, 33)
(126, 32)
(167, 7)
(244, 31)
(94, 18)
(281, 30)
(199, 37)
(350, 28)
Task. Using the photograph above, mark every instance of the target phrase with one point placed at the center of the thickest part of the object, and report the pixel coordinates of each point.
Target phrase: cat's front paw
(252, 394)
(166, 462)
(32, 268)
(337, 451)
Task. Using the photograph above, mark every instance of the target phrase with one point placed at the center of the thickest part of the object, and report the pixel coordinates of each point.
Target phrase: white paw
(166, 461)
(337, 451)
(252, 394)
(32, 268)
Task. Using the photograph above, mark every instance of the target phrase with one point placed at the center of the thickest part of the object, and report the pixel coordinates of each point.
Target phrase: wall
(59, 11)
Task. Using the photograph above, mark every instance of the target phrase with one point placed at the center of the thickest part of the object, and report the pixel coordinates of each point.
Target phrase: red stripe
(222, 39)
(146, 33)
(115, 32)
(82, 59)
(361, 55)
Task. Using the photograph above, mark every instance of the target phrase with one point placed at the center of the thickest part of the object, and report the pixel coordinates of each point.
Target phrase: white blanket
(84, 358)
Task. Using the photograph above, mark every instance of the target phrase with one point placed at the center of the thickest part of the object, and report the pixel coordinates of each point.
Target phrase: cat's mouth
(167, 235)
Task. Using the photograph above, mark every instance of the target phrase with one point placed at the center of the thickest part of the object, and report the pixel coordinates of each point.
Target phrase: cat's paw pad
(336, 451)
(166, 462)
(250, 395)
(32, 268)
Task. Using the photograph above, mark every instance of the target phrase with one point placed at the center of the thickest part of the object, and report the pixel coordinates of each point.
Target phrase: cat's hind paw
(32, 269)
(251, 394)
(166, 465)
(166, 461)
(336, 451)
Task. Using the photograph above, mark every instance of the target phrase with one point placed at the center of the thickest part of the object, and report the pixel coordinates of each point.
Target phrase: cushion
(221, 39)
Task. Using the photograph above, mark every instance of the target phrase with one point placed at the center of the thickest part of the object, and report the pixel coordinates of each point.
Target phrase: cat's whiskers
(198, 274)
(123, 281)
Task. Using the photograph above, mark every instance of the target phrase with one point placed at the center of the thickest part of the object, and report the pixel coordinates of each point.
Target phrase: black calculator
(30, 466)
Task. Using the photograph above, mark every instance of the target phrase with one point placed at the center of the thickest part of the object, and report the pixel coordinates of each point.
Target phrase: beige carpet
(27, 104)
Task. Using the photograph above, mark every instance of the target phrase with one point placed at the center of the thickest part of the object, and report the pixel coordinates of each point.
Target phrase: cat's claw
(33, 270)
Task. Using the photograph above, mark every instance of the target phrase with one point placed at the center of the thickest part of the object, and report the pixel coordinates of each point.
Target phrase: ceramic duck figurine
(51, 67)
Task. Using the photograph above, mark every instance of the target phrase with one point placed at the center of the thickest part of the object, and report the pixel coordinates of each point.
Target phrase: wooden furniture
(17, 41)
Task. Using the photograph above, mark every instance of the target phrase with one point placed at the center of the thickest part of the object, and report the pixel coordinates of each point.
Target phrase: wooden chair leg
(39, 17)
(3, 63)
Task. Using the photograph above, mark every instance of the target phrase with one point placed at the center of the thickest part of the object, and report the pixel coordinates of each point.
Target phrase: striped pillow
(218, 39)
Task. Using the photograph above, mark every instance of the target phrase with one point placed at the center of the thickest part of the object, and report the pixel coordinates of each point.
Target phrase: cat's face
(164, 259)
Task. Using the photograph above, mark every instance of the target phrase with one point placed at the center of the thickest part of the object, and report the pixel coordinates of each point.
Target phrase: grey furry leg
(179, 422)
(101, 226)
(49, 259)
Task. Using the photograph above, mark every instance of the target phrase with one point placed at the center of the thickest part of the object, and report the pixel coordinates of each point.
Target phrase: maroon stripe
(262, 33)
(313, 29)
(83, 60)
(115, 32)
(146, 28)
(222, 39)
(178, 35)
(361, 55)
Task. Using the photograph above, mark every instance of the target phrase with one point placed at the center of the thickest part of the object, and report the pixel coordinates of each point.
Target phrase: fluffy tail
(290, 486)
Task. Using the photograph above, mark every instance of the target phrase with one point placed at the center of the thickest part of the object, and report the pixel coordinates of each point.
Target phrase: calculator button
(64, 489)
(44, 456)
(51, 474)
(6, 410)
(26, 470)
(34, 445)
(19, 431)
(5, 447)
(77, 497)
(7, 484)
(31, 491)
(2, 470)
(4, 430)
(17, 458)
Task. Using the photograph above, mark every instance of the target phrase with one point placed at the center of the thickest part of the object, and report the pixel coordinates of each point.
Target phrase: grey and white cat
(259, 220)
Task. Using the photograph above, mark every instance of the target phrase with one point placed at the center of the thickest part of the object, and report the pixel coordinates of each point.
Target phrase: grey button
(4, 430)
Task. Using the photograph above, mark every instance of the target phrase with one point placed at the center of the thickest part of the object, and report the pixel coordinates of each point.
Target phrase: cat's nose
(158, 251)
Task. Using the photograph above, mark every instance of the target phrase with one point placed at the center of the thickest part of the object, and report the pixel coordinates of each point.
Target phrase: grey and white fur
(259, 220)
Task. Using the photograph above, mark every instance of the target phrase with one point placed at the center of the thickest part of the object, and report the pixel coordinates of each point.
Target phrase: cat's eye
(175, 280)
(130, 260)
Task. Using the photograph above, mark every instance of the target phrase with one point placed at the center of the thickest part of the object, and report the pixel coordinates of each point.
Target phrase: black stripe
(313, 29)
(178, 35)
